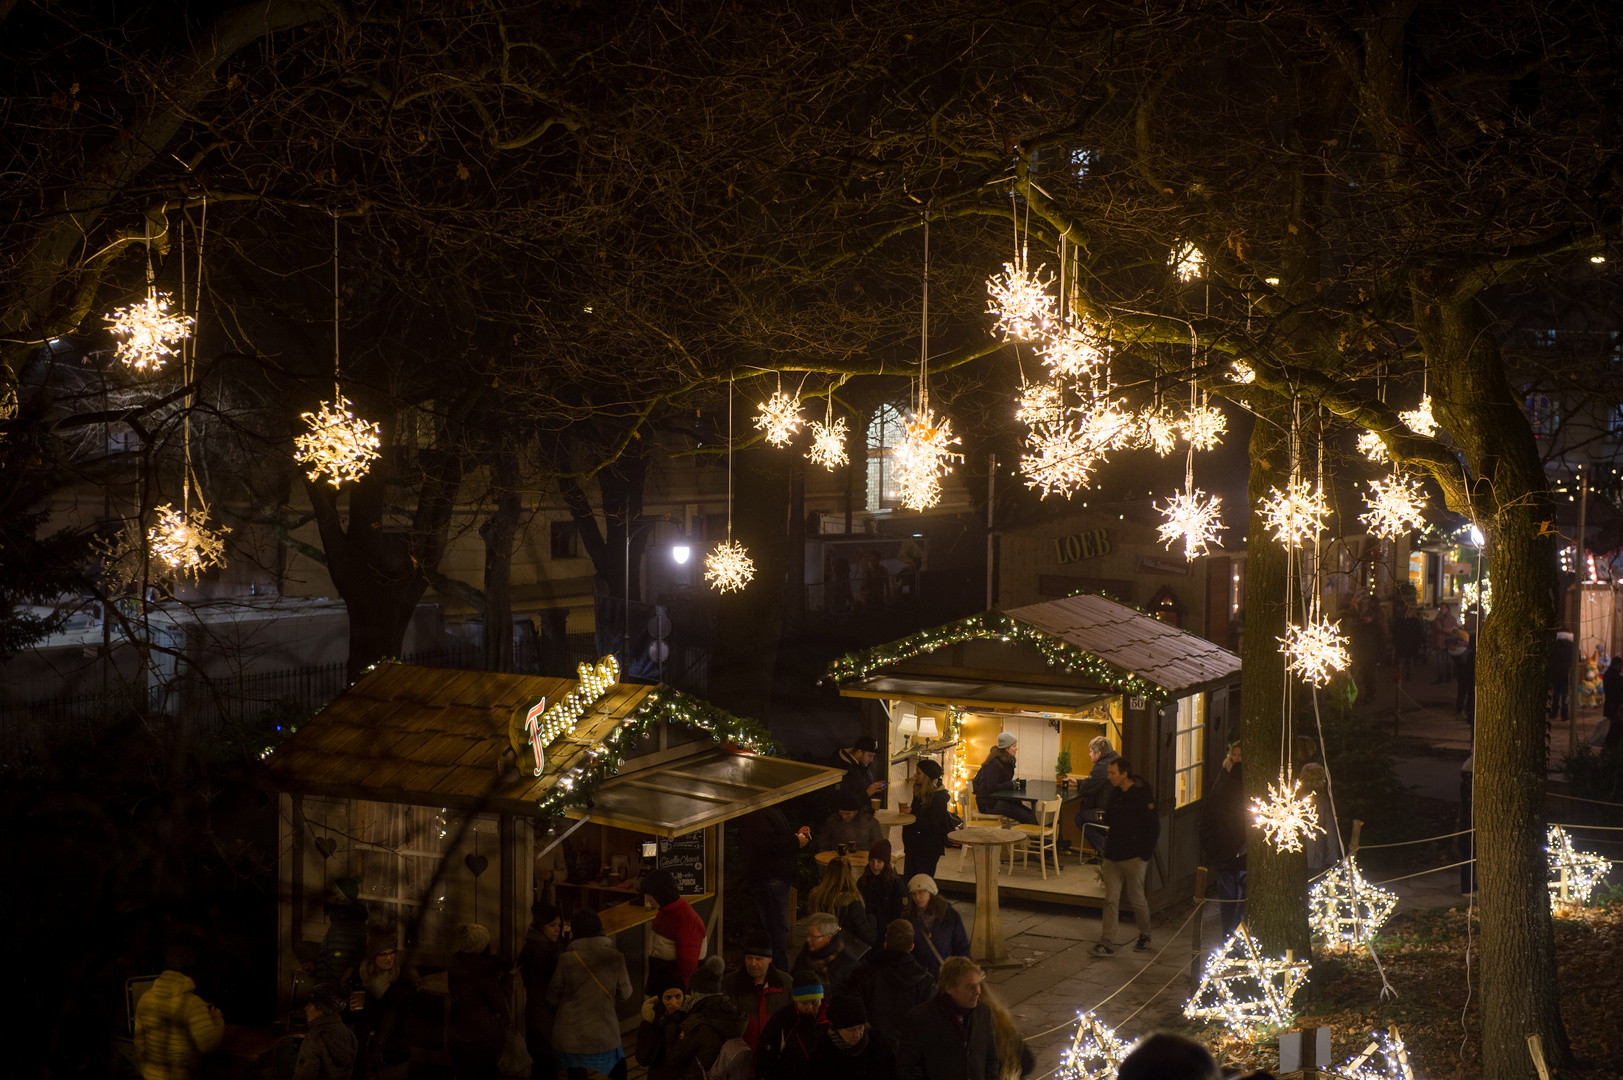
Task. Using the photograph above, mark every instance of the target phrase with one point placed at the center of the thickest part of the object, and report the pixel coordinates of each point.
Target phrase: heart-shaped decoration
(326, 845)
(476, 863)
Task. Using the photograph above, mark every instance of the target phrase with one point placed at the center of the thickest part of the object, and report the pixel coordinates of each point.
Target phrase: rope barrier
(1605, 828)
(1423, 873)
(1402, 843)
(1580, 798)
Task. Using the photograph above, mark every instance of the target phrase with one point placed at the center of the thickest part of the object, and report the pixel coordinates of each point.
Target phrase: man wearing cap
(759, 989)
(857, 761)
(950, 1036)
(788, 1040)
(848, 824)
(328, 1049)
(997, 773)
(849, 1050)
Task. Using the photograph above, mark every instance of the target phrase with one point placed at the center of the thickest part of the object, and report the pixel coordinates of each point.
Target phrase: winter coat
(478, 1010)
(856, 927)
(1611, 685)
(679, 938)
(787, 1044)
(758, 1003)
(935, 1047)
(891, 985)
(871, 1059)
(1095, 788)
(1560, 668)
(651, 1038)
(947, 934)
(174, 1029)
(883, 897)
(832, 966)
(692, 1046)
(1223, 818)
(537, 960)
(380, 1027)
(590, 977)
(860, 833)
(995, 775)
(1134, 824)
(328, 1050)
(769, 848)
(856, 779)
(927, 835)
(343, 946)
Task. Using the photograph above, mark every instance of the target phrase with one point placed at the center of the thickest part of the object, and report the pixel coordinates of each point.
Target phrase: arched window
(885, 433)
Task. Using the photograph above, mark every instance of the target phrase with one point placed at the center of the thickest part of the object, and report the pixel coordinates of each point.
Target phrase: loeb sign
(1082, 545)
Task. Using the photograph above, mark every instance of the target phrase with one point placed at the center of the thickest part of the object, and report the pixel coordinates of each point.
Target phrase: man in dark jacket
(890, 984)
(758, 989)
(1134, 828)
(851, 1050)
(857, 761)
(825, 959)
(950, 1036)
(789, 1039)
(328, 1049)
(1095, 790)
(771, 854)
(1222, 837)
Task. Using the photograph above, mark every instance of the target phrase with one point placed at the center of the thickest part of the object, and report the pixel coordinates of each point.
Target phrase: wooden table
(1038, 791)
(891, 818)
(986, 944)
(855, 858)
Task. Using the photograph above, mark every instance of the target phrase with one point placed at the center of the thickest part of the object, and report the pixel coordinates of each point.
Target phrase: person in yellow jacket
(174, 1027)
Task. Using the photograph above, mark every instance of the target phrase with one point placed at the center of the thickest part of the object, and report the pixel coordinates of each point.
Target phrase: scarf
(841, 1045)
(377, 982)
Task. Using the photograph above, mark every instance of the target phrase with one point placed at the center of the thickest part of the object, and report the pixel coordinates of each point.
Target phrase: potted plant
(1062, 766)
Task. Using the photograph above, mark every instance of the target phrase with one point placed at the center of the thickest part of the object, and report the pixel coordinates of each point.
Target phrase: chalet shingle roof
(1147, 647)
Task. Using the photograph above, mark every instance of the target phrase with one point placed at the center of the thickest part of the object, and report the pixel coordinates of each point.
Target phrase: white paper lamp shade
(908, 724)
(927, 728)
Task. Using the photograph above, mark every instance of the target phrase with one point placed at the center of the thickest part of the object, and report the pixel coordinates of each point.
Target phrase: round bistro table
(855, 858)
(986, 944)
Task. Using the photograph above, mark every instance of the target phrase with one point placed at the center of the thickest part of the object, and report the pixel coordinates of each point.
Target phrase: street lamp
(679, 552)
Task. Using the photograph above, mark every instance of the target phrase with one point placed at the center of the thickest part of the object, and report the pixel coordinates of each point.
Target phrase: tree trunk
(498, 531)
(1276, 883)
(750, 622)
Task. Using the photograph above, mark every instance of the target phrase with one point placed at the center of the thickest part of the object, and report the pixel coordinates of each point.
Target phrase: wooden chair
(1044, 834)
(974, 818)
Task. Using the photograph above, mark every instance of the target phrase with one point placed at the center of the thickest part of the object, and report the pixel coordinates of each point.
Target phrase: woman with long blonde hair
(926, 838)
(1014, 1061)
(837, 895)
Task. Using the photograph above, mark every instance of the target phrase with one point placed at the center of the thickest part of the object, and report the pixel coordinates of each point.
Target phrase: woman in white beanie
(996, 774)
(938, 930)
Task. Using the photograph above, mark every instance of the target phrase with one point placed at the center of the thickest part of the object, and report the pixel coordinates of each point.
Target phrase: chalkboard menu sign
(683, 856)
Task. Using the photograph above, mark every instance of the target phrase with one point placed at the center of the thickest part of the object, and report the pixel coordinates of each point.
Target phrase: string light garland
(1315, 651)
(1245, 990)
(1187, 262)
(1371, 446)
(1193, 517)
(1389, 1051)
(182, 541)
(924, 458)
(147, 333)
(1158, 431)
(1203, 427)
(1285, 816)
(1420, 420)
(1295, 514)
(339, 445)
(1395, 506)
(1095, 1053)
(1345, 909)
(1573, 873)
(728, 567)
(1019, 301)
(779, 416)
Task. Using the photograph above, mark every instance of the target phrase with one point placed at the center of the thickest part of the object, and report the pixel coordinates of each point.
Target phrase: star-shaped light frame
(1389, 1050)
(1018, 299)
(1315, 651)
(1095, 1053)
(1244, 989)
(728, 567)
(1193, 517)
(1203, 427)
(1286, 817)
(1583, 870)
(1345, 909)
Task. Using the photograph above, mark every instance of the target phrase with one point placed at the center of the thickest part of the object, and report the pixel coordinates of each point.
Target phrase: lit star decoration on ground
(1395, 506)
(1020, 303)
(339, 445)
(1389, 1051)
(1159, 432)
(1315, 651)
(1420, 421)
(1581, 870)
(1095, 1052)
(1243, 373)
(779, 416)
(924, 457)
(1478, 593)
(147, 333)
(1286, 817)
(1345, 909)
(184, 543)
(1371, 446)
(728, 567)
(1186, 261)
(1203, 427)
(1296, 514)
(1245, 990)
(828, 444)
(1193, 517)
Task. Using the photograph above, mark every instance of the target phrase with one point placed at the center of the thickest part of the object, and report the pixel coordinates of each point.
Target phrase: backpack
(735, 1061)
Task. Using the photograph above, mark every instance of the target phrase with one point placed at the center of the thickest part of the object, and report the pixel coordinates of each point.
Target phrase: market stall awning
(975, 694)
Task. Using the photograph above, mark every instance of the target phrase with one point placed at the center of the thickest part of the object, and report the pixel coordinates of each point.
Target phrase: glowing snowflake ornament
(1057, 460)
(1244, 989)
(924, 457)
(184, 543)
(339, 445)
(1020, 301)
(1243, 373)
(1371, 446)
(1041, 403)
(1395, 505)
(828, 444)
(1193, 517)
(1419, 420)
(1345, 909)
(1095, 1052)
(1285, 817)
(728, 567)
(1295, 514)
(1073, 352)
(1187, 262)
(1573, 874)
(1315, 651)
(1203, 427)
(147, 333)
(1158, 431)
(779, 416)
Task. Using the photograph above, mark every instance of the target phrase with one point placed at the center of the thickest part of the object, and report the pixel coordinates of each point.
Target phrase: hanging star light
(1419, 420)
(828, 443)
(1245, 990)
(1286, 817)
(1187, 262)
(1244, 373)
(1073, 352)
(339, 445)
(183, 541)
(1315, 651)
(925, 455)
(1295, 514)
(1573, 874)
(1041, 403)
(147, 334)
(1389, 1051)
(1193, 517)
(1395, 506)
(1057, 460)
(728, 567)
(1478, 594)
(779, 416)
(1095, 1052)
(1345, 909)
(1020, 301)
(1203, 427)
(1370, 444)
(1158, 431)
